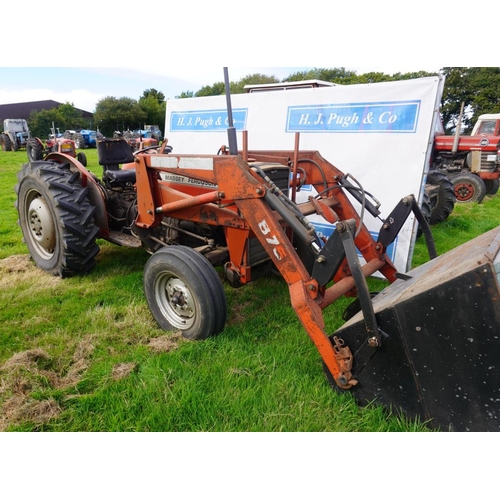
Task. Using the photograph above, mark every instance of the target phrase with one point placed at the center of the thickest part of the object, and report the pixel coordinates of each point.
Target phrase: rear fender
(96, 194)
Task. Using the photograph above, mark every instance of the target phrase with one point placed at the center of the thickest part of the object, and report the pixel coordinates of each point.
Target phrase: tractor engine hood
(467, 142)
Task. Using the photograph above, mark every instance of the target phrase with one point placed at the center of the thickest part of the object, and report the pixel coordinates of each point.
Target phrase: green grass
(84, 354)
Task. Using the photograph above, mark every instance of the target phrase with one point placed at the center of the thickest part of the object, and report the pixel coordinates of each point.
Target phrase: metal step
(122, 239)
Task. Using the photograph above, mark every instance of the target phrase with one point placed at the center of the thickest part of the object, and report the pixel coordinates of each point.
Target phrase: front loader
(427, 345)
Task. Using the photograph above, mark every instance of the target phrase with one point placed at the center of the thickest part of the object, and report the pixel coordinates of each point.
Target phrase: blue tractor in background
(154, 132)
(83, 138)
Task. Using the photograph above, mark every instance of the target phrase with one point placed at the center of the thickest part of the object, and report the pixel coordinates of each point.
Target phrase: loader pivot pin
(344, 357)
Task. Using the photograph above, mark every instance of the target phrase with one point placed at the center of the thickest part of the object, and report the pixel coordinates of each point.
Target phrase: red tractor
(138, 140)
(36, 150)
(472, 163)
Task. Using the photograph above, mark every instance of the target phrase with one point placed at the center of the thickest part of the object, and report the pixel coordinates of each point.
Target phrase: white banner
(379, 133)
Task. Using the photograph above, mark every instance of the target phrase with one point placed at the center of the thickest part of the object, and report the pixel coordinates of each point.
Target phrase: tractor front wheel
(6, 142)
(185, 293)
(468, 188)
(56, 218)
(82, 158)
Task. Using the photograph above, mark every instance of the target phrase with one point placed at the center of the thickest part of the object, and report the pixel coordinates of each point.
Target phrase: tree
(456, 90)
(477, 88)
(412, 75)
(155, 111)
(118, 114)
(334, 75)
(155, 94)
(40, 122)
(185, 94)
(217, 88)
(64, 117)
(255, 79)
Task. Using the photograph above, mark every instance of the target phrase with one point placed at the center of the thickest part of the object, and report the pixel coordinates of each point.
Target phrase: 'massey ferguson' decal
(182, 179)
(392, 117)
(195, 163)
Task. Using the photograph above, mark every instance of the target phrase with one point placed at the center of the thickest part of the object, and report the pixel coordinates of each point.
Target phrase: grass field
(84, 354)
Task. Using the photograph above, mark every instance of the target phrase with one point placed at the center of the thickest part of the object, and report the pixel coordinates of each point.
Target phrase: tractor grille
(489, 161)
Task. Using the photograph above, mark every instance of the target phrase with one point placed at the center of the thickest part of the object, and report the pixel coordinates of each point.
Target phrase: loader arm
(305, 294)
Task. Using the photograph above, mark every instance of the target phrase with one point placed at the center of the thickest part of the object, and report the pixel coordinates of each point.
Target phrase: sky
(109, 51)
(84, 87)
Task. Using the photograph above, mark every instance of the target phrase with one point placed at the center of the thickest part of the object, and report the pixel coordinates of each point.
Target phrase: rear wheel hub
(41, 226)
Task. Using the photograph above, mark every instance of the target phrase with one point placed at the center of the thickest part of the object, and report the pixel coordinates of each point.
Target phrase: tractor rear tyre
(6, 142)
(34, 149)
(468, 188)
(443, 204)
(56, 218)
(492, 186)
(184, 292)
(79, 141)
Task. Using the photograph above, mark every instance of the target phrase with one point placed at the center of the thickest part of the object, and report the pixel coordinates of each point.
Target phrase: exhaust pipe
(456, 139)
(231, 131)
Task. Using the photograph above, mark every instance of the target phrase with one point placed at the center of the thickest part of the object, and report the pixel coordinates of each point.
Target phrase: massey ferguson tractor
(428, 345)
(37, 150)
(472, 163)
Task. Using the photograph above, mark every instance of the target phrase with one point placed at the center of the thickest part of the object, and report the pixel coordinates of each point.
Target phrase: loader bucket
(441, 360)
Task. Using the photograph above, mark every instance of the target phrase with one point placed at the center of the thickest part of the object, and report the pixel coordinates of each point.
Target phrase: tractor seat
(112, 153)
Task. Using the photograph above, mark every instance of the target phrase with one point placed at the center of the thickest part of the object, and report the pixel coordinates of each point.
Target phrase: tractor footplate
(122, 239)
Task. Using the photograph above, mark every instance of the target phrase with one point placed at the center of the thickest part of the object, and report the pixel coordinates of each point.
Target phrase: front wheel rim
(464, 192)
(175, 301)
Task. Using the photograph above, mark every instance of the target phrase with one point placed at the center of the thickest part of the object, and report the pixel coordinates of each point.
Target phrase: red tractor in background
(471, 162)
(36, 150)
(137, 139)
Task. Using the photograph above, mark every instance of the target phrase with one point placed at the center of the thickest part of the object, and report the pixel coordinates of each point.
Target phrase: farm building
(24, 109)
